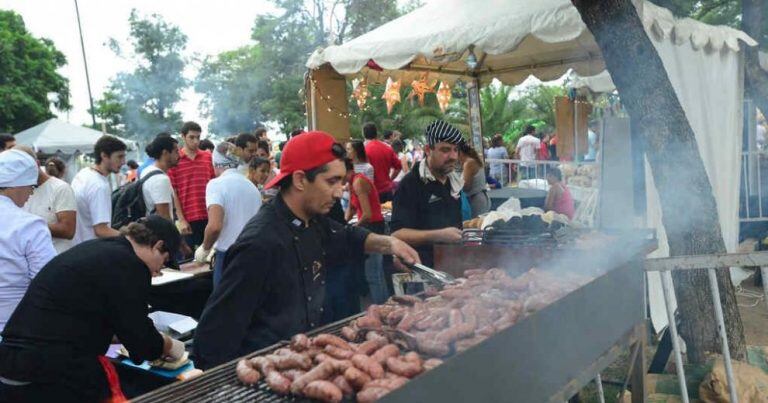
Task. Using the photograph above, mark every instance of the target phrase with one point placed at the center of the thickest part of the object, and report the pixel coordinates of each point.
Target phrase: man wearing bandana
(427, 205)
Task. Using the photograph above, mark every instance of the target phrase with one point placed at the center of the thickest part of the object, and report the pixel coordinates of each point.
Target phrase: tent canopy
(56, 136)
(510, 39)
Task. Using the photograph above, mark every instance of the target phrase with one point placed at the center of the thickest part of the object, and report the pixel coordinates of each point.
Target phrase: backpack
(128, 202)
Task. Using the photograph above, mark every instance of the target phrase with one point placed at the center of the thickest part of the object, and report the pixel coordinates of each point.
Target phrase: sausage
(455, 317)
(454, 333)
(350, 333)
(387, 383)
(403, 368)
(409, 300)
(263, 364)
(246, 373)
(300, 342)
(381, 355)
(428, 344)
(342, 384)
(321, 372)
(395, 316)
(338, 353)
(368, 365)
(372, 394)
(370, 346)
(471, 272)
(455, 293)
(282, 351)
(410, 319)
(373, 335)
(412, 356)
(291, 361)
(323, 340)
(278, 383)
(368, 322)
(323, 390)
(432, 363)
(356, 377)
(292, 374)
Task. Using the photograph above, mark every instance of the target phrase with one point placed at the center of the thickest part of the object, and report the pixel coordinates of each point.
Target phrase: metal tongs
(433, 276)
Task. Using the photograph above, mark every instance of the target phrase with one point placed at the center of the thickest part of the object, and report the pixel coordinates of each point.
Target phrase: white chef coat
(239, 198)
(25, 247)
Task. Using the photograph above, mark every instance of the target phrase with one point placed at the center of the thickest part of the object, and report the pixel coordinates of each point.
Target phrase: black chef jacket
(71, 311)
(273, 282)
(424, 206)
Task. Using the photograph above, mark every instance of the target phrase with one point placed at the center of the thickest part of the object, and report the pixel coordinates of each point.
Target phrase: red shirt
(383, 159)
(373, 200)
(543, 151)
(189, 178)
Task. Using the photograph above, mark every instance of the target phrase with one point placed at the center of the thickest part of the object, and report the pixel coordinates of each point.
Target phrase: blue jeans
(377, 281)
(218, 267)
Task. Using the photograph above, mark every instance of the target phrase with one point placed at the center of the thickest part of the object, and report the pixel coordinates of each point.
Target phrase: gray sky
(211, 26)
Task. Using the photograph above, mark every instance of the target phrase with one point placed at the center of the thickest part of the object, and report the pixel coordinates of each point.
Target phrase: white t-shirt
(365, 169)
(94, 203)
(528, 147)
(53, 196)
(240, 200)
(497, 153)
(156, 190)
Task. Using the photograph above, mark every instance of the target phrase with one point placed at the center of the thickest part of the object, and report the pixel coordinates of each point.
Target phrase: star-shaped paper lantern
(391, 94)
(443, 96)
(360, 93)
(420, 88)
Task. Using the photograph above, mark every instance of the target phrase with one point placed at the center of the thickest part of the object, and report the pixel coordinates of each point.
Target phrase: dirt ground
(754, 316)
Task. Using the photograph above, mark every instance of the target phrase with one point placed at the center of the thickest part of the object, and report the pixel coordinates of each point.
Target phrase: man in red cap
(273, 281)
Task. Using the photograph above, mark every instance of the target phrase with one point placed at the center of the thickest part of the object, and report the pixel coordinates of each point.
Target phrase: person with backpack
(93, 192)
(156, 185)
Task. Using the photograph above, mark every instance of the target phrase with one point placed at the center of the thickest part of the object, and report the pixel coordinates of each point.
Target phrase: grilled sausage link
(350, 333)
(300, 342)
(356, 377)
(369, 365)
(403, 368)
(291, 361)
(370, 346)
(323, 340)
(323, 390)
(321, 372)
(381, 355)
(344, 385)
(246, 373)
(263, 364)
(338, 353)
(278, 383)
(372, 394)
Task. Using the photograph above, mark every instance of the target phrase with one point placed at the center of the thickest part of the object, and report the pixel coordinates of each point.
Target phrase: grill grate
(220, 384)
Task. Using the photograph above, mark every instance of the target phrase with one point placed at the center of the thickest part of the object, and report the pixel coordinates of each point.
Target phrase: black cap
(166, 231)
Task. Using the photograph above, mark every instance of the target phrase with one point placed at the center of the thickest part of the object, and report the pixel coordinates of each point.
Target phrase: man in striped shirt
(189, 178)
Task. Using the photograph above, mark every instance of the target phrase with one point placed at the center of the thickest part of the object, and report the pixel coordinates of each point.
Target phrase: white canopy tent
(512, 39)
(55, 136)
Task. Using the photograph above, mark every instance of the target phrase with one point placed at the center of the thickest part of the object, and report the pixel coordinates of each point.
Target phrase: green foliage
(27, 75)
(150, 93)
(230, 89)
(109, 110)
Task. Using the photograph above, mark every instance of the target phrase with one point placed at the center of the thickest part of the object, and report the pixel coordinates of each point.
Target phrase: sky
(211, 27)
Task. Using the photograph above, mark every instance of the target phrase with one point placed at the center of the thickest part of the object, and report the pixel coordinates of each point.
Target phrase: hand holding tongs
(433, 276)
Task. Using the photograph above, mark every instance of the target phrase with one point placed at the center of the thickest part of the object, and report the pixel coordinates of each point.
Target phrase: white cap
(17, 168)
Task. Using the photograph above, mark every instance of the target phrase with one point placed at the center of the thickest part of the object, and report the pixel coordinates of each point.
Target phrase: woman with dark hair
(53, 344)
(406, 159)
(55, 167)
(356, 152)
(559, 197)
(474, 180)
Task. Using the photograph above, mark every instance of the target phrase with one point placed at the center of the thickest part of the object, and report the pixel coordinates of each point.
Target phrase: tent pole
(475, 120)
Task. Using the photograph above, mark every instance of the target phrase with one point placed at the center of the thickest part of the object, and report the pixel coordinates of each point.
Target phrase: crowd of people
(295, 239)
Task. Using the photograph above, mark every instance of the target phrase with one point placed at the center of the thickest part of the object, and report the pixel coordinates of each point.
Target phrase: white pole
(600, 393)
(666, 284)
(723, 335)
(764, 273)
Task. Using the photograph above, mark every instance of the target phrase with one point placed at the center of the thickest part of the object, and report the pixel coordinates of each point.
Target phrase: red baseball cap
(304, 152)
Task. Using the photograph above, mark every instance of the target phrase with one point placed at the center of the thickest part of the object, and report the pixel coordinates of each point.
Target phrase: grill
(220, 384)
(546, 357)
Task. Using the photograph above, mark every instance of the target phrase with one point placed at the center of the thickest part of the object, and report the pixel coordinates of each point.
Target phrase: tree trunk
(755, 78)
(689, 211)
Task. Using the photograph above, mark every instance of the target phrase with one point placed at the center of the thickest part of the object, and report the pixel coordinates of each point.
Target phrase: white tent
(55, 136)
(512, 39)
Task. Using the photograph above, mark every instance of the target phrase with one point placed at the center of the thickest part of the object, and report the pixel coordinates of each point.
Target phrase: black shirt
(74, 306)
(424, 206)
(273, 283)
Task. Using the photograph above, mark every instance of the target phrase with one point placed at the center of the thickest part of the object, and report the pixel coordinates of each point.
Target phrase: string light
(326, 98)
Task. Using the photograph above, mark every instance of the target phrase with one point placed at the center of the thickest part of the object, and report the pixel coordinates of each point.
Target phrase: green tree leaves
(27, 76)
